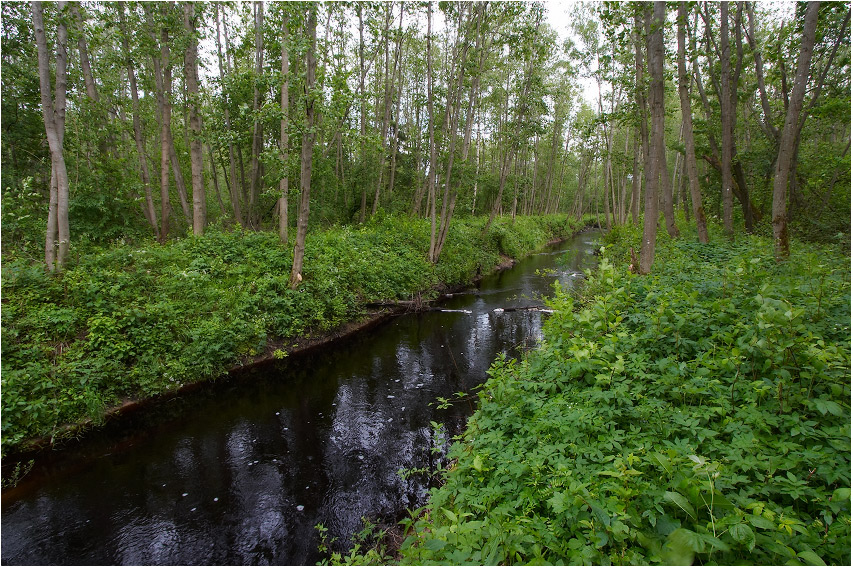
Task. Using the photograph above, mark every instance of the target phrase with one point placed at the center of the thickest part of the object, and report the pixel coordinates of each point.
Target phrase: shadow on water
(240, 473)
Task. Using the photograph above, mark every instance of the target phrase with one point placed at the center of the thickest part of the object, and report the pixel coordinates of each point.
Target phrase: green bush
(698, 414)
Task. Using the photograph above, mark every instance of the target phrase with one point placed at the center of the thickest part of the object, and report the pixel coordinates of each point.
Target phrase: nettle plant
(697, 415)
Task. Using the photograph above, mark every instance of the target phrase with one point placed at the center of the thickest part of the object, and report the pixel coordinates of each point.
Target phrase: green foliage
(131, 321)
(697, 415)
(368, 547)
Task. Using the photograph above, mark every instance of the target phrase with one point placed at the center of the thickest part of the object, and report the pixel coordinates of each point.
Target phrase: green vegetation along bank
(132, 321)
(696, 415)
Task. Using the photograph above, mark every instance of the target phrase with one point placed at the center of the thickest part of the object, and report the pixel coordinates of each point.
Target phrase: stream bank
(242, 471)
(109, 343)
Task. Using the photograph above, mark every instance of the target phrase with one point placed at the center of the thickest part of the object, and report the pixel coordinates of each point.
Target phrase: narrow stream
(241, 472)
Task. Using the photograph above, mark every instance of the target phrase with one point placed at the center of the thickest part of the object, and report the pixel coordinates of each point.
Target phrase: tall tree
(232, 166)
(727, 111)
(138, 136)
(257, 129)
(687, 122)
(307, 148)
(654, 48)
(53, 110)
(196, 156)
(788, 136)
(284, 141)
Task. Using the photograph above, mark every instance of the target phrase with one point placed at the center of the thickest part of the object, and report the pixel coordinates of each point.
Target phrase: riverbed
(242, 472)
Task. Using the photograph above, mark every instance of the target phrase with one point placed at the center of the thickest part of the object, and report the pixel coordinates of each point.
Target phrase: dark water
(242, 472)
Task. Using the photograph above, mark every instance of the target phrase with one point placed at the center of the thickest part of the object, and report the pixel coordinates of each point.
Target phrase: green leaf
(681, 501)
(478, 463)
(435, 544)
(760, 522)
(558, 502)
(841, 495)
(810, 558)
(680, 548)
(663, 461)
(743, 535)
(601, 515)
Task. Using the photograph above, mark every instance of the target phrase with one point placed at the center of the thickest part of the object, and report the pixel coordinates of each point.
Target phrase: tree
(284, 135)
(196, 158)
(654, 21)
(788, 136)
(257, 130)
(307, 149)
(687, 120)
(727, 111)
(53, 109)
(232, 167)
(138, 136)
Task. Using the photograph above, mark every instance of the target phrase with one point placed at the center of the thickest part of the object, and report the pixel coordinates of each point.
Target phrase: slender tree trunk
(789, 132)
(687, 122)
(452, 124)
(363, 115)
(642, 104)
(233, 191)
(257, 131)
(180, 184)
(767, 125)
(307, 150)
(196, 155)
(53, 112)
(635, 181)
(386, 117)
(148, 207)
(433, 157)
(655, 50)
(85, 65)
(165, 138)
(479, 50)
(284, 136)
(727, 118)
(398, 68)
(215, 179)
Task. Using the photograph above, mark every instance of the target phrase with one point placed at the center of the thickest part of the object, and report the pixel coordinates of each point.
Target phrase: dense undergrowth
(131, 321)
(697, 415)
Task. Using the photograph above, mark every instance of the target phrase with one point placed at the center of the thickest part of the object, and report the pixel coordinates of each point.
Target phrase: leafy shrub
(699, 414)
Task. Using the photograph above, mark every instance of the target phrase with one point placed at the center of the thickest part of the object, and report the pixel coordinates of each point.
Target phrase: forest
(184, 184)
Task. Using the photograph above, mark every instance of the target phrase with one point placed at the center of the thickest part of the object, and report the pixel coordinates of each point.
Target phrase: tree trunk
(789, 133)
(53, 112)
(196, 156)
(215, 179)
(433, 157)
(232, 168)
(307, 150)
(257, 130)
(767, 125)
(655, 50)
(85, 65)
(363, 113)
(687, 121)
(642, 104)
(635, 181)
(398, 68)
(284, 136)
(386, 117)
(727, 119)
(165, 136)
(145, 174)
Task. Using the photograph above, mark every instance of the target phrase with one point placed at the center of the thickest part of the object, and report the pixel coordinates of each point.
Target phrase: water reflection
(241, 473)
